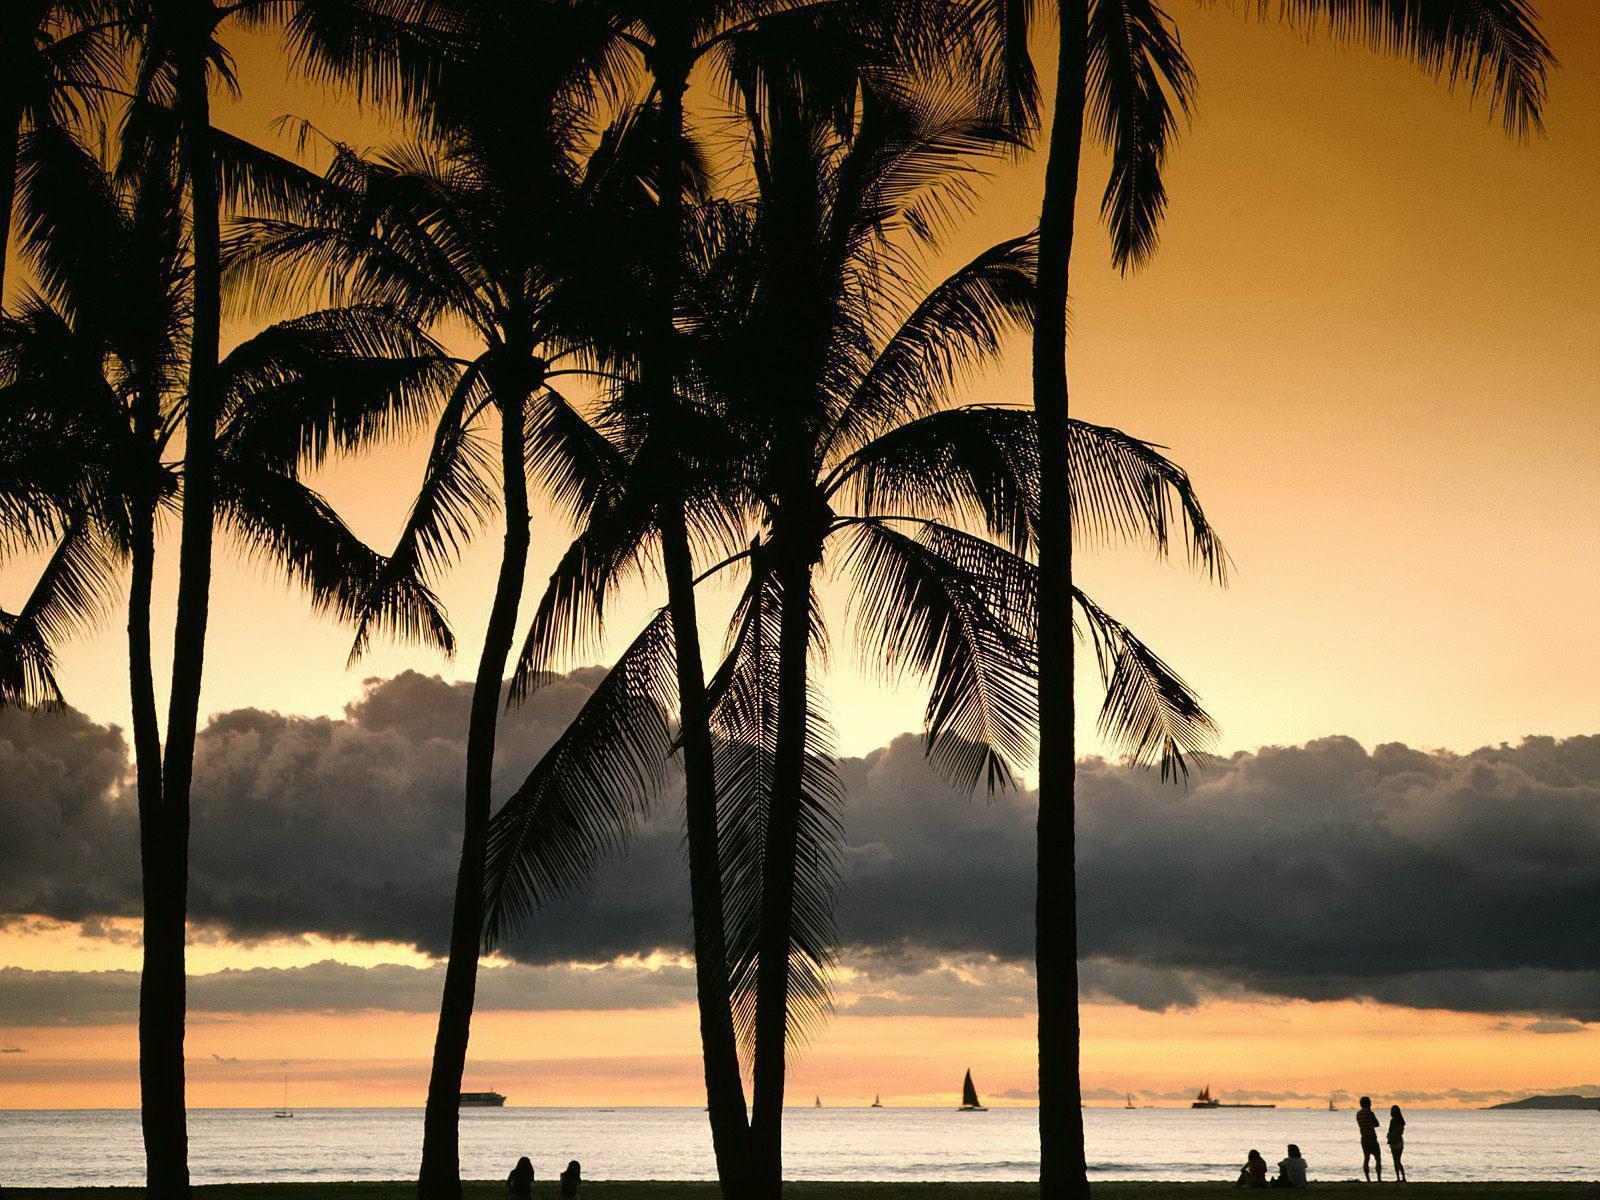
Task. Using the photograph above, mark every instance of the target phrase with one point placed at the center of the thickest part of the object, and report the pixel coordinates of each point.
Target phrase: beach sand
(829, 1191)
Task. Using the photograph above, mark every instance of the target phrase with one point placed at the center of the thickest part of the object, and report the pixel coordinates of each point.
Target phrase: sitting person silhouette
(1291, 1170)
(519, 1184)
(570, 1179)
(1254, 1172)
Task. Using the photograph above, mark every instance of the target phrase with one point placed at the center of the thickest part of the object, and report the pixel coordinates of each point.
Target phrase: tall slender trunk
(162, 986)
(725, 1099)
(1062, 1166)
(10, 135)
(778, 873)
(440, 1175)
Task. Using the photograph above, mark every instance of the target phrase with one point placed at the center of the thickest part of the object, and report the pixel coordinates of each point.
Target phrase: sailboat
(285, 1111)
(1130, 1103)
(1331, 1108)
(877, 1101)
(969, 1096)
(819, 1102)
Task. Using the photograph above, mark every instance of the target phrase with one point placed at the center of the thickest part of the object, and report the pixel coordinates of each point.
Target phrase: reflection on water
(244, 1145)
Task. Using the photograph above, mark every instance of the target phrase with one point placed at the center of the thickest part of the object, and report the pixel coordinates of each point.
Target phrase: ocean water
(248, 1145)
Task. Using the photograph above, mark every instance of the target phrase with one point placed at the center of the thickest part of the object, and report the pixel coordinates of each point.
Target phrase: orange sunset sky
(1372, 335)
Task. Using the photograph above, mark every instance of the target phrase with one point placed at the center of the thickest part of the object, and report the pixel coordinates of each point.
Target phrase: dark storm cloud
(35, 998)
(1467, 882)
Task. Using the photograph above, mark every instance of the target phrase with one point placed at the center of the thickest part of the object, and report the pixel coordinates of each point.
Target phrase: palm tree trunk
(1062, 1170)
(440, 1175)
(725, 1100)
(10, 136)
(778, 873)
(162, 994)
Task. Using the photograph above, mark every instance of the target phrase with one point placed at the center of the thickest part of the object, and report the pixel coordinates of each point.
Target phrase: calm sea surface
(244, 1145)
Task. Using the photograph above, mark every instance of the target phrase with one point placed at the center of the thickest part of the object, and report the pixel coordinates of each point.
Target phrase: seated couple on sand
(1291, 1171)
(519, 1184)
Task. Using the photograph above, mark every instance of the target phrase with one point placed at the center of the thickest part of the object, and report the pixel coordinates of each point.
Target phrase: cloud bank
(1464, 882)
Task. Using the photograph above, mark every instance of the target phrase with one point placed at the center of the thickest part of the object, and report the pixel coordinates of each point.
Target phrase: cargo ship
(1206, 1100)
(482, 1100)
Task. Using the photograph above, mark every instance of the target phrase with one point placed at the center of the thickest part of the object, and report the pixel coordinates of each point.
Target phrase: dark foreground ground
(837, 1191)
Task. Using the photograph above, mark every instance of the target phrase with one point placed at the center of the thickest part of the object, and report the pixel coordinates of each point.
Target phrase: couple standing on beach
(1371, 1152)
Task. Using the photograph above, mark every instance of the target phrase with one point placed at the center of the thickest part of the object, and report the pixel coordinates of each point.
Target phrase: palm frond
(588, 792)
(957, 326)
(340, 379)
(744, 722)
(977, 463)
(276, 516)
(1148, 710)
(959, 613)
(455, 500)
(1139, 81)
(1124, 488)
(1491, 47)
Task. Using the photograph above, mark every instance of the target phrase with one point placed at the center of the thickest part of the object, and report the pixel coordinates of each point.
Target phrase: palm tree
(1122, 74)
(94, 363)
(670, 40)
(56, 57)
(495, 222)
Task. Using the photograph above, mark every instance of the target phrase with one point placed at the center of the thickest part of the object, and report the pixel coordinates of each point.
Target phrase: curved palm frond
(278, 517)
(1148, 710)
(744, 696)
(1139, 81)
(1493, 47)
(958, 325)
(590, 789)
(1123, 488)
(978, 463)
(454, 501)
(71, 594)
(959, 612)
(342, 378)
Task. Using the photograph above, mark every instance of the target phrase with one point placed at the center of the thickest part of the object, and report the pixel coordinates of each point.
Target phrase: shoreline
(668, 1190)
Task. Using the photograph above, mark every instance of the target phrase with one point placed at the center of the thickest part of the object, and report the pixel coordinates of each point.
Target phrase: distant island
(1562, 1103)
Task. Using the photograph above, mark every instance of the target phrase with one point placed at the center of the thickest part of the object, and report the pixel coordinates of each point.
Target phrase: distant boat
(1130, 1103)
(877, 1101)
(490, 1099)
(285, 1111)
(818, 1104)
(1331, 1107)
(969, 1096)
(1206, 1100)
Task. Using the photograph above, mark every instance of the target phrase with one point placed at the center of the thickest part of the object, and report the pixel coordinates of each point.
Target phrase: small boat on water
(489, 1099)
(818, 1103)
(285, 1111)
(1206, 1100)
(969, 1096)
(877, 1101)
(1331, 1107)
(1130, 1103)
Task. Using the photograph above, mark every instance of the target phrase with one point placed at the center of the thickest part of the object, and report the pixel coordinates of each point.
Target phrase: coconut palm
(498, 223)
(1124, 79)
(93, 373)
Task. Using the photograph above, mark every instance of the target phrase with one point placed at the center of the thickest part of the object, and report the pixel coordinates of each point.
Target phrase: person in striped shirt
(1371, 1152)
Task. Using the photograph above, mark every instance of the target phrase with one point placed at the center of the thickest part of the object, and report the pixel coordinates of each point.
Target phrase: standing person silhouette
(1397, 1140)
(1371, 1152)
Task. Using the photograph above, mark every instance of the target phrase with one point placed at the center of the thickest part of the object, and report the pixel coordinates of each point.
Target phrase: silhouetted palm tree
(496, 221)
(1123, 76)
(670, 38)
(92, 370)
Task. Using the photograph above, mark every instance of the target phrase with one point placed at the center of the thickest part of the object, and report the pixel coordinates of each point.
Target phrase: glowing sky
(1372, 335)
